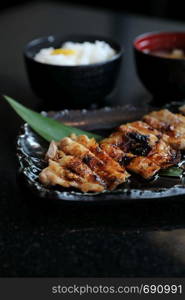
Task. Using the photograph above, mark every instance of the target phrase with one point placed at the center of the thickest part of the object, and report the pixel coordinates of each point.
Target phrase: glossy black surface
(31, 151)
(75, 86)
(38, 238)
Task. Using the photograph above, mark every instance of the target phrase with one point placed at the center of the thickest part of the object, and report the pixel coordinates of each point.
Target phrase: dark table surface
(46, 239)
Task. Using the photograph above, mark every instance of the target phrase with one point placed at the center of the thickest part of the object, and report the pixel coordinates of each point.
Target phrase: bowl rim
(64, 38)
(152, 33)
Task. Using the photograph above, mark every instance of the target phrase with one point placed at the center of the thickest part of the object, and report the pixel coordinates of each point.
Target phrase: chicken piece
(108, 170)
(164, 155)
(139, 137)
(71, 172)
(78, 167)
(142, 128)
(143, 166)
(143, 149)
(172, 125)
(118, 148)
(116, 153)
(139, 147)
(182, 109)
(52, 151)
(118, 171)
(154, 142)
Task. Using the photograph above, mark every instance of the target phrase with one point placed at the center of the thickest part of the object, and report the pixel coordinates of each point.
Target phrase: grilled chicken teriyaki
(82, 164)
(172, 125)
(69, 171)
(141, 147)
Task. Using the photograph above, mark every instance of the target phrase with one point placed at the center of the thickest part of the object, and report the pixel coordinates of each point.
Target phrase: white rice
(85, 53)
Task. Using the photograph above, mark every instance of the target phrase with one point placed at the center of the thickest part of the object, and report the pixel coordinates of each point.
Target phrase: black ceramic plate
(31, 149)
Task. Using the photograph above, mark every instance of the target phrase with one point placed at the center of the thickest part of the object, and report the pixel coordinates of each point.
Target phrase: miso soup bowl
(163, 77)
(71, 86)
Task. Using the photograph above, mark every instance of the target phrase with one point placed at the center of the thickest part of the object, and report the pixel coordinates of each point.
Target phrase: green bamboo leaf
(171, 172)
(47, 128)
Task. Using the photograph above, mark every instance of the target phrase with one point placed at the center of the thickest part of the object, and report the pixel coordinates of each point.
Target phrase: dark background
(39, 239)
(168, 9)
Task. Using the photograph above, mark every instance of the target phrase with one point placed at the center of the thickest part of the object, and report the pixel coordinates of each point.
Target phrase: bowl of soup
(160, 64)
(72, 71)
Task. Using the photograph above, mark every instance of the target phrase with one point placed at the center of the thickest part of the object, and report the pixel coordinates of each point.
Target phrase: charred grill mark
(92, 162)
(77, 167)
(71, 171)
(100, 166)
(138, 144)
(159, 136)
(71, 176)
(144, 151)
(172, 125)
(87, 159)
(125, 160)
(168, 128)
(137, 164)
(108, 169)
(82, 163)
